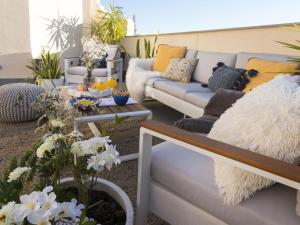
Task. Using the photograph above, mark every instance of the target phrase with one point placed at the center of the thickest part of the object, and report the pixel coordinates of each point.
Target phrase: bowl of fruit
(85, 103)
(120, 96)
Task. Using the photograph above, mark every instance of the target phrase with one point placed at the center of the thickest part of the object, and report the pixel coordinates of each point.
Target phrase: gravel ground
(16, 138)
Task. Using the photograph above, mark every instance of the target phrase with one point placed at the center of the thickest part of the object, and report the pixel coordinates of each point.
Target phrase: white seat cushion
(190, 175)
(199, 98)
(99, 72)
(207, 61)
(243, 58)
(77, 70)
(191, 54)
(178, 89)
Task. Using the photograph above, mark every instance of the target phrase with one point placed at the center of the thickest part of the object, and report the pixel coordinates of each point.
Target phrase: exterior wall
(250, 39)
(24, 34)
(15, 49)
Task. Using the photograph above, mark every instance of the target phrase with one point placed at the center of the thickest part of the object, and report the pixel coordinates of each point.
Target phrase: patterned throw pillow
(180, 69)
(229, 78)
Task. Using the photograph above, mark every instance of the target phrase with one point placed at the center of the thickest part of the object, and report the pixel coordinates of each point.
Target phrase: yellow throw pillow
(164, 54)
(267, 70)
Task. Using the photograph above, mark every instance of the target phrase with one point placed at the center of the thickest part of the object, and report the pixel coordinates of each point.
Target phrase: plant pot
(50, 84)
(111, 189)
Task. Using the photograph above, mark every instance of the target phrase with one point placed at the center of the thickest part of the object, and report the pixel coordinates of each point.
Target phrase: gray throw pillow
(225, 77)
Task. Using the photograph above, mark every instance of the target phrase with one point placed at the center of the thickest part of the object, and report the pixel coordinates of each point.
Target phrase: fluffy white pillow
(266, 121)
(298, 203)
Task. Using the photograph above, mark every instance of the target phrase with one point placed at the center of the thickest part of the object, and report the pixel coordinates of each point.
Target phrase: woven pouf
(15, 102)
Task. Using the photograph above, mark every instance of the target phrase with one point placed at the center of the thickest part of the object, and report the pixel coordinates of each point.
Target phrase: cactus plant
(148, 49)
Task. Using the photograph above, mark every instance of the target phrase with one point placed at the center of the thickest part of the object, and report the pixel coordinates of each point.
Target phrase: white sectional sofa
(188, 98)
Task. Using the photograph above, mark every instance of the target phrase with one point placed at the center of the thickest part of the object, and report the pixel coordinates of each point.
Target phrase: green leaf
(119, 120)
(138, 51)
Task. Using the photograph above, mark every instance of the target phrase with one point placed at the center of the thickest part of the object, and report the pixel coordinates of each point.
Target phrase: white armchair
(74, 73)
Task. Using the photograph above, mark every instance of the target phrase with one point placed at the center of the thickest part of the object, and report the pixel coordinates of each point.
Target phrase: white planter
(111, 189)
(50, 84)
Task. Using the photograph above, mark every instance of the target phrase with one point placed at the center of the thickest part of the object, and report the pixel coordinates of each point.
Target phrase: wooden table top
(107, 109)
(120, 109)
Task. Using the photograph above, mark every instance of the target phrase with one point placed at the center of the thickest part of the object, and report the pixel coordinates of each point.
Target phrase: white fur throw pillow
(298, 203)
(266, 121)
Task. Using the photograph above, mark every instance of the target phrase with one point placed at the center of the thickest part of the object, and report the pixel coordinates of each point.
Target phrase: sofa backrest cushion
(164, 54)
(267, 70)
(207, 61)
(243, 58)
(191, 54)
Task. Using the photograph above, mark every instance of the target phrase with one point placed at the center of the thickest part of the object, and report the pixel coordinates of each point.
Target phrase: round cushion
(15, 102)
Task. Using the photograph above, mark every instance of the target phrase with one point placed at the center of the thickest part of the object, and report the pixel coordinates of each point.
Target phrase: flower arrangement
(41, 169)
(93, 54)
(41, 207)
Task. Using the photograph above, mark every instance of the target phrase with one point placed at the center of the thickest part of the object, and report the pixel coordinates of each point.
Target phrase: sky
(167, 16)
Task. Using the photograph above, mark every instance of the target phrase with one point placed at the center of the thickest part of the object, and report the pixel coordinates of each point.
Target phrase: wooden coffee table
(106, 113)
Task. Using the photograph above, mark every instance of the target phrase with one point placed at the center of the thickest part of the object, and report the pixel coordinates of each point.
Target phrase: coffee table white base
(90, 120)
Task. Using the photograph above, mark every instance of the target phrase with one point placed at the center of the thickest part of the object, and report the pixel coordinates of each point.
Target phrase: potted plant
(47, 70)
(110, 27)
(84, 198)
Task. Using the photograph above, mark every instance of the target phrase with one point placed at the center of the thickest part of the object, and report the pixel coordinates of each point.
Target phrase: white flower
(57, 124)
(54, 138)
(17, 173)
(69, 210)
(49, 144)
(75, 135)
(29, 203)
(96, 162)
(89, 147)
(107, 158)
(39, 217)
(76, 149)
(47, 201)
(111, 156)
(46, 147)
(6, 217)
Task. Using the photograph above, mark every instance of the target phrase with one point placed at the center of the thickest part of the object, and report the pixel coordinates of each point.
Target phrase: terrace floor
(18, 137)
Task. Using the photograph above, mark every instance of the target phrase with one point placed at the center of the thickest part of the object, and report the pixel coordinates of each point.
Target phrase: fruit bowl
(84, 103)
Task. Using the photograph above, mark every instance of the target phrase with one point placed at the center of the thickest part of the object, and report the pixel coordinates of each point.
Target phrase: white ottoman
(15, 102)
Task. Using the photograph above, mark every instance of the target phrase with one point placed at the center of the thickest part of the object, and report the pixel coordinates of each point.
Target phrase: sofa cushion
(164, 54)
(180, 69)
(77, 70)
(191, 54)
(267, 70)
(243, 58)
(265, 121)
(207, 61)
(178, 89)
(199, 98)
(190, 175)
(99, 72)
(225, 77)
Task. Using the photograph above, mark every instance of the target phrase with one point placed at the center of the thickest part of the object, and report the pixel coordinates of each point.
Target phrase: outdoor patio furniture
(15, 102)
(75, 73)
(187, 98)
(176, 181)
(108, 111)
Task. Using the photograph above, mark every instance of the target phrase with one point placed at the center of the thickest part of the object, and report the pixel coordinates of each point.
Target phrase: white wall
(14, 38)
(43, 13)
(23, 31)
